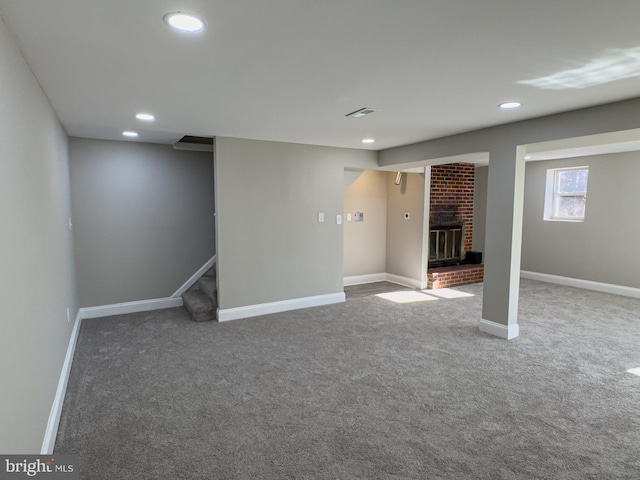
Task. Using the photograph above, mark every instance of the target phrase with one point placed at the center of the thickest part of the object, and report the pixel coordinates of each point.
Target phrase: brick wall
(451, 194)
(446, 277)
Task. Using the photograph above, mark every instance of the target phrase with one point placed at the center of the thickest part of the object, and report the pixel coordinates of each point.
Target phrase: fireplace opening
(446, 245)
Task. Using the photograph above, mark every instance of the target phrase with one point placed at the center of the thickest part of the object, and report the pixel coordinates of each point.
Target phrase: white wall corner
(499, 330)
(585, 284)
(194, 278)
(130, 307)
(56, 408)
(281, 306)
(404, 281)
(362, 279)
(426, 227)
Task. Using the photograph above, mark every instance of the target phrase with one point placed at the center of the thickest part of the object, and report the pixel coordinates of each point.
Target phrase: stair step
(208, 287)
(199, 305)
(211, 272)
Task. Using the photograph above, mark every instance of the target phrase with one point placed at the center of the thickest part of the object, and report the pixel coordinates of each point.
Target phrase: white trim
(194, 278)
(426, 227)
(586, 284)
(499, 330)
(405, 281)
(56, 408)
(362, 279)
(281, 306)
(130, 307)
(384, 277)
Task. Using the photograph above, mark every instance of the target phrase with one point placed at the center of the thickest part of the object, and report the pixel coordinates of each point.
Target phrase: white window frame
(552, 195)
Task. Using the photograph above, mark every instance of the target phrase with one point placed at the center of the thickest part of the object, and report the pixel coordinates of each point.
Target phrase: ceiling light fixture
(130, 134)
(510, 105)
(368, 140)
(185, 22)
(145, 117)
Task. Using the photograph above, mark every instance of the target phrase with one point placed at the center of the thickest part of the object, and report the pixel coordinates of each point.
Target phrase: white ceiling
(289, 70)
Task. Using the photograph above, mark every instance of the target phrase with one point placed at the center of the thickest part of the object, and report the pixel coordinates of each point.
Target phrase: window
(566, 194)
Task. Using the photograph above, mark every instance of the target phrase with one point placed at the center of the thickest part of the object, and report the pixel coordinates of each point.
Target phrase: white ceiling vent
(198, 144)
(360, 113)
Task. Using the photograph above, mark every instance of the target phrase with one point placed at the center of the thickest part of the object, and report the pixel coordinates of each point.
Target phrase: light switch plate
(320, 217)
(339, 219)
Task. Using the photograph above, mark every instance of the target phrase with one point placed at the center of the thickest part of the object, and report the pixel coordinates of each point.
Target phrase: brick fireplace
(451, 226)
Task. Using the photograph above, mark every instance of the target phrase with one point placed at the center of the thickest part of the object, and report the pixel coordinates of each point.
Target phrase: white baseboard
(130, 307)
(282, 306)
(194, 278)
(499, 330)
(384, 277)
(362, 279)
(405, 281)
(56, 409)
(586, 284)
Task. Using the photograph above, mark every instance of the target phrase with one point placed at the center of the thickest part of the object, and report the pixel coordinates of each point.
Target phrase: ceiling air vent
(199, 144)
(360, 113)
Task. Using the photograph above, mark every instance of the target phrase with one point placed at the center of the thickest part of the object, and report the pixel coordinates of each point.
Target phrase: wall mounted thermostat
(359, 217)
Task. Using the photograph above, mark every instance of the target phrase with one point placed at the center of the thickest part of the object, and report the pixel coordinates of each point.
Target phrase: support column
(503, 242)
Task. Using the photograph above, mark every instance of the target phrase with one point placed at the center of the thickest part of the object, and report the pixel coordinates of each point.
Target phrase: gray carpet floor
(368, 389)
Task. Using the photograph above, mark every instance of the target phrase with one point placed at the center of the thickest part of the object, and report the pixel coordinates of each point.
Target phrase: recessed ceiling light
(368, 140)
(510, 105)
(185, 22)
(130, 134)
(147, 117)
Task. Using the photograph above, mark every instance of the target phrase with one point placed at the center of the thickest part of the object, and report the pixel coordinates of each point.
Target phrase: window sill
(567, 220)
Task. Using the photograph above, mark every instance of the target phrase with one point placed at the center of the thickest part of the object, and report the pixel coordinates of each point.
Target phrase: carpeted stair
(201, 300)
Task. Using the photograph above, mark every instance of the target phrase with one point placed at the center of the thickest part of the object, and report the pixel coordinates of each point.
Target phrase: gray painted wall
(268, 194)
(351, 176)
(405, 237)
(365, 243)
(37, 281)
(480, 208)
(143, 218)
(603, 247)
